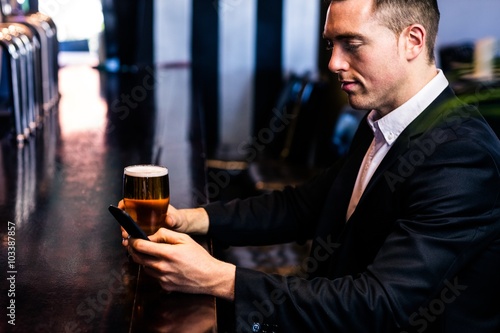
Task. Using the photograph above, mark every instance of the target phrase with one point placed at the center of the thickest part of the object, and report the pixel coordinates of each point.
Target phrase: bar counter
(63, 266)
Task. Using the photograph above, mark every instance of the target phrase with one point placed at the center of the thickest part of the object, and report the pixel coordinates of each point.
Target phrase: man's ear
(415, 41)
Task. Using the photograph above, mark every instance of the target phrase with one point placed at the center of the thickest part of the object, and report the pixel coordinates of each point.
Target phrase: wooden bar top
(61, 249)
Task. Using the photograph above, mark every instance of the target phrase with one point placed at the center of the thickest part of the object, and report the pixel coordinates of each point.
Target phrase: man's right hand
(189, 221)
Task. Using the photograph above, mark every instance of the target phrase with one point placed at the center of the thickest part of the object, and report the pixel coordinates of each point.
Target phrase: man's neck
(418, 79)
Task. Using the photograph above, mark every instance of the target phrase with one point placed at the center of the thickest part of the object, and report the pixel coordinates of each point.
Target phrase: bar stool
(291, 158)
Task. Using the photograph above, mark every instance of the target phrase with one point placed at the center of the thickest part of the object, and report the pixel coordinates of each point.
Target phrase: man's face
(366, 55)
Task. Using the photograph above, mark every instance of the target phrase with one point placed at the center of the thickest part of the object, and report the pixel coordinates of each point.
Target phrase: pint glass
(146, 195)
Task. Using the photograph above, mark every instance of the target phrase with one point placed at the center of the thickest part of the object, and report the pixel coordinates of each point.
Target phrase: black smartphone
(127, 223)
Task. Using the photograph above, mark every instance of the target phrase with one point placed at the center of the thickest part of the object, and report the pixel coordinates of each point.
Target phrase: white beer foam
(146, 171)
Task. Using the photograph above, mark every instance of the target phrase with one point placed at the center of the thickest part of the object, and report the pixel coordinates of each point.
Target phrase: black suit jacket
(421, 252)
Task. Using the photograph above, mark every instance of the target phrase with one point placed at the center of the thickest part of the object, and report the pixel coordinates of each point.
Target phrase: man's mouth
(347, 85)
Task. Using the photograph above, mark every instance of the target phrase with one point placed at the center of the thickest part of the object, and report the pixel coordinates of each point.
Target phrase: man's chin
(356, 104)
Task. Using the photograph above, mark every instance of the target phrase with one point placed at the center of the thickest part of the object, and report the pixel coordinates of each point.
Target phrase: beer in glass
(146, 195)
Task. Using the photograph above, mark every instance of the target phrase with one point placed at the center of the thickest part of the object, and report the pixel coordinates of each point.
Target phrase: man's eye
(351, 46)
(329, 45)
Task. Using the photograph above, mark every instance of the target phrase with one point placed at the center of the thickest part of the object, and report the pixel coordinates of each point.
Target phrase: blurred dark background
(272, 113)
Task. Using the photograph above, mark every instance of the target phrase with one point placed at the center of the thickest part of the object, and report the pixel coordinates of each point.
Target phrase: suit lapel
(331, 227)
(420, 125)
(340, 194)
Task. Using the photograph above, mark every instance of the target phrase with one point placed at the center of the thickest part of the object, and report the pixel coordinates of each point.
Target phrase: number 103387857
(11, 245)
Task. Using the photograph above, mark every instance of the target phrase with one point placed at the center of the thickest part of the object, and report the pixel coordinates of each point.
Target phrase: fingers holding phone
(127, 223)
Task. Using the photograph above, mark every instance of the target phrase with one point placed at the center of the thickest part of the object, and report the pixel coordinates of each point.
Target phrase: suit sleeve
(277, 217)
(452, 215)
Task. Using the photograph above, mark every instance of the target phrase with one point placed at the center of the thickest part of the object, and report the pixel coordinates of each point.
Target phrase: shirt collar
(391, 125)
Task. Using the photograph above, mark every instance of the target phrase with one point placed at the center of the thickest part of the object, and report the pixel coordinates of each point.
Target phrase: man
(405, 229)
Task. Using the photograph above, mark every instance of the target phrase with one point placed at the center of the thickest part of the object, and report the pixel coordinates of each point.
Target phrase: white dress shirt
(387, 129)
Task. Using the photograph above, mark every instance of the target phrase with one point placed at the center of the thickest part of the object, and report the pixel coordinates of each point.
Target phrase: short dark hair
(399, 14)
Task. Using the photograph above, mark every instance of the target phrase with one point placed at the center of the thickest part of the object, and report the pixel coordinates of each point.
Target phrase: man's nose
(338, 62)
